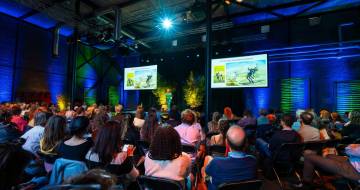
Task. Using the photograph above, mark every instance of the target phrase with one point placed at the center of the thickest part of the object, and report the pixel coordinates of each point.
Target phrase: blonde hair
(118, 108)
(185, 113)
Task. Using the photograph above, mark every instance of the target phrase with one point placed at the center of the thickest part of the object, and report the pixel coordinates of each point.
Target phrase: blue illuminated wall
(26, 63)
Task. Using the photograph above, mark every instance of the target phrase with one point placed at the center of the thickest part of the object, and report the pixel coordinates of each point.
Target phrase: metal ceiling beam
(309, 8)
(29, 14)
(255, 8)
(106, 10)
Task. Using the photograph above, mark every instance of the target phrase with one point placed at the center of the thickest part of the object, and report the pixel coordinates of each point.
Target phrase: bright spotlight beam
(167, 23)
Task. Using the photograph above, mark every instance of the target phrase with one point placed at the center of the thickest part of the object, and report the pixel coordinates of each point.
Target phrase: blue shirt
(236, 167)
(262, 120)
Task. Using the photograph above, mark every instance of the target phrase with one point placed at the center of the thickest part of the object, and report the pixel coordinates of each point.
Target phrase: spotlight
(167, 23)
(197, 55)
(228, 2)
(239, 1)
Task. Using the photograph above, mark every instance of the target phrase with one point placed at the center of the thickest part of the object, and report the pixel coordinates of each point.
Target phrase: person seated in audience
(110, 153)
(118, 115)
(8, 130)
(220, 138)
(262, 119)
(296, 125)
(151, 124)
(54, 134)
(139, 119)
(308, 132)
(325, 125)
(16, 118)
(247, 119)
(97, 122)
(228, 114)
(352, 129)
(197, 175)
(165, 158)
(347, 167)
(213, 125)
(173, 121)
(33, 136)
(316, 119)
(237, 166)
(13, 160)
(95, 176)
(189, 130)
(271, 116)
(337, 121)
(346, 117)
(77, 146)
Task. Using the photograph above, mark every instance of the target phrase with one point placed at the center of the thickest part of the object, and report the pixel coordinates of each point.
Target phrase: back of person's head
(5, 117)
(299, 112)
(306, 118)
(99, 120)
(271, 111)
(228, 112)
(151, 118)
(79, 126)
(335, 116)
(54, 132)
(247, 113)
(140, 113)
(324, 114)
(165, 145)
(40, 119)
(95, 176)
(355, 117)
(16, 110)
(286, 120)
(236, 138)
(224, 126)
(109, 140)
(188, 117)
(79, 110)
(263, 112)
(118, 108)
(13, 160)
(216, 116)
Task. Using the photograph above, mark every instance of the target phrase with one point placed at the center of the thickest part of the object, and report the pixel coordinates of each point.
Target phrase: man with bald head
(238, 166)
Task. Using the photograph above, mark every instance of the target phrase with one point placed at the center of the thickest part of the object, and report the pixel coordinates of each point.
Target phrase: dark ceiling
(140, 19)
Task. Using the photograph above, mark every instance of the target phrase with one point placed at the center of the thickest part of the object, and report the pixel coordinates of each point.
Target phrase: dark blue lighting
(13, 9)
(334, 4)
(254, 18)
(6, 83)
(41, 20)
(293, 10)
(66, 30)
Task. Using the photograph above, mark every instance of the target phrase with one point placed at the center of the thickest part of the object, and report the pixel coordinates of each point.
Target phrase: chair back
(293, 153)
(217, 150)
(64, 169)
(316, 146)
(243, 185)
(155, 183)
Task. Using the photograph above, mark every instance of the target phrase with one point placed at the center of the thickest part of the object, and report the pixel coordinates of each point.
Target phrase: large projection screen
(140, 78)
(240, 72)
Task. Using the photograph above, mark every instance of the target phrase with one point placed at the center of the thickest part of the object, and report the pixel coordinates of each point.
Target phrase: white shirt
(177, 169)
(189, 134)
(32, 138)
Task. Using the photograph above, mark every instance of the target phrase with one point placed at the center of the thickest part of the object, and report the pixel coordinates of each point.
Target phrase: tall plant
(194, 91)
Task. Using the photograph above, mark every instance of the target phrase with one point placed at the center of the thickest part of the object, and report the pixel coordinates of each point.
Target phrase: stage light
(167, 23)
(228, 2)
(239, 1)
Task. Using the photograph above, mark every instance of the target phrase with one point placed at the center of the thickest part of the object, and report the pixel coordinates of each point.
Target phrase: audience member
(110, 153)
(8, 130)
(139, 120)
(33, 136)
(173, 121)
(96, 176)
(247, 120)
(213, 125)
(190, 132)
(165, 158)
(271, 116)
(352, 130)
(297, 124)
(77, 146)
(13, 160)
(308, 132)
(54, 134)
(262, 119)
(220, 138)
(337, 121)
(237, 166)
(151, 124)
(17, 119)
(228, 114)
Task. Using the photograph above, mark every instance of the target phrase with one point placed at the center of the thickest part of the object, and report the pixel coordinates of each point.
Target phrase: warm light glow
(61, 102)
(239, 1)
(228, 2)
(167, 23)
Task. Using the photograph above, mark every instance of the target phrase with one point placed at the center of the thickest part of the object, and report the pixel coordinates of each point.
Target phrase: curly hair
(165, 145)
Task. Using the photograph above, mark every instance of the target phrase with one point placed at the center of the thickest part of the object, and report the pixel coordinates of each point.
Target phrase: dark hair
(306, 118)
(247, 113)
(224, 127)
(54, 132)
(263, 112)
(40, 119)
(287, 119)
(150, 125)
(165, 145)
(13, 160)
(5, 117)
(94, 176)
(109, 141)
(79, 126)
(15, 110)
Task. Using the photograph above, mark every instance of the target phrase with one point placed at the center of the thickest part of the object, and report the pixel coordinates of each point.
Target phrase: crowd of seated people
(41, 145)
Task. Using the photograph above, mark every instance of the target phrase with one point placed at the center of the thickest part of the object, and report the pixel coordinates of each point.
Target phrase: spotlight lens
(166, 23)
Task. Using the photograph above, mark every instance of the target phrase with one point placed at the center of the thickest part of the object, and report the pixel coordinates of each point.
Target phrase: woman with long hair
(165, 158)
(54, 133)
(151, 124)
(110, 153)
(220, 138)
